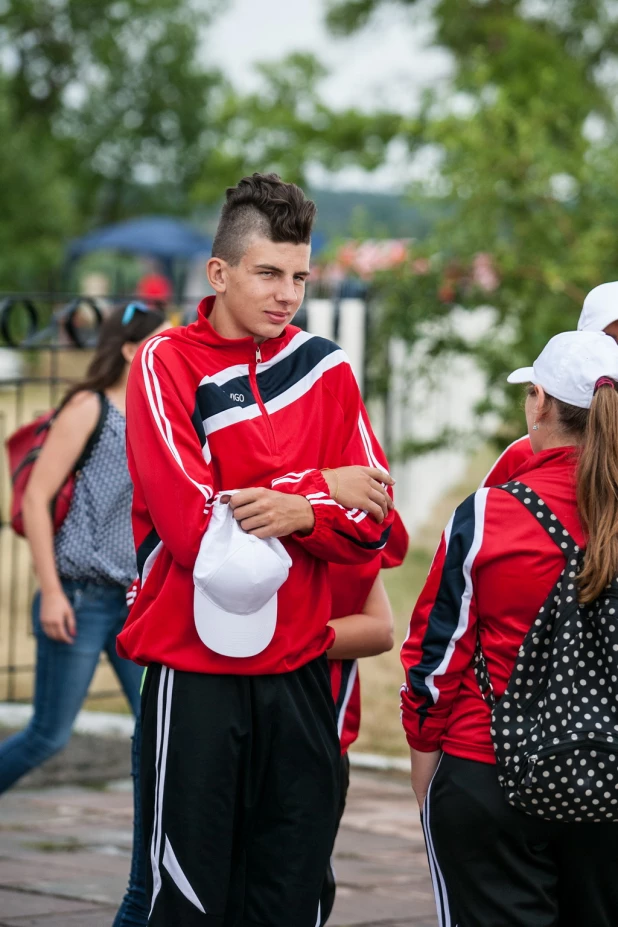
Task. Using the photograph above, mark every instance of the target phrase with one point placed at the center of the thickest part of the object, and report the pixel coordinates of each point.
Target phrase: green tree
(285, 127)
(37, 210)
(117, 98)
(107, 109)
(120, 88)
(524, 135)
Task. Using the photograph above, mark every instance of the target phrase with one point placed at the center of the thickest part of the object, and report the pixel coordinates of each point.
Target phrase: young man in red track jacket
(240, 755)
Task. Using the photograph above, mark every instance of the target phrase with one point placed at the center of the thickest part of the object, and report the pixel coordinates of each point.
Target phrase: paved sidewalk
(64, 856)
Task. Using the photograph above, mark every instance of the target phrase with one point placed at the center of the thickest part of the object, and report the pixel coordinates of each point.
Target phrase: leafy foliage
(108, 102)
(285, 126)
(524, 135)
(37, 209)
(114, 111)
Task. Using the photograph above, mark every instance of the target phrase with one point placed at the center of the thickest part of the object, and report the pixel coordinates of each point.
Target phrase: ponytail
(597, 493)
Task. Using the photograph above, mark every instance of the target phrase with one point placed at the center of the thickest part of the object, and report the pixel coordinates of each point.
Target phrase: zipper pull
(531, 764)
(258, 354)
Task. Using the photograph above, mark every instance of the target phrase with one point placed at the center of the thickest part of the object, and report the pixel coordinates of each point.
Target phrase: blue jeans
(63, 675)
(134, 909)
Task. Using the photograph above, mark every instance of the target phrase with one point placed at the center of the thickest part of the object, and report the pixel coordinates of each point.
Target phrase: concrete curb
(98, 723)
(110, 724)
(379, 762)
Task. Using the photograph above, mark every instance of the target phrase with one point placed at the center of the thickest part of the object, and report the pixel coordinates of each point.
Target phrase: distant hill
(368, 215)
(356, 214)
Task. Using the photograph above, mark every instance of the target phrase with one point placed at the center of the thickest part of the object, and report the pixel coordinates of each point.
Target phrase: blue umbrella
(157, 236)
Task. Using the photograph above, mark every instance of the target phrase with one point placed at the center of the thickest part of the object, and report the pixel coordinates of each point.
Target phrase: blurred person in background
(498, 567)
(599, 314)
(83, 570)
(155, 289)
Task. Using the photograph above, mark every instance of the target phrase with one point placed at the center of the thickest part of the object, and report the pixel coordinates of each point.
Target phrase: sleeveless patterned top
(95, 541)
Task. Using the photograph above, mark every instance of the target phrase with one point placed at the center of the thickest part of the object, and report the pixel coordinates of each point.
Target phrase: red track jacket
(205, 414)
(493, 569)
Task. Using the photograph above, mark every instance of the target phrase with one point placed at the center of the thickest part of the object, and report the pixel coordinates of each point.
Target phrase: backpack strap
(561, 538)
(89, 446)
(544, 515)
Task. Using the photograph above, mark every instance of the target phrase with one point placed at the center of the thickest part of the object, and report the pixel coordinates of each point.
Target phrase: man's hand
(424, 766)
(361, 488)
(270, 514)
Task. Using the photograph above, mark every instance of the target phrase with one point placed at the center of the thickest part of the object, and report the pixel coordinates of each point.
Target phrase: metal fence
(45, 344)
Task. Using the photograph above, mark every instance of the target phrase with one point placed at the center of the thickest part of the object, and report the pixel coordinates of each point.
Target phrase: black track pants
(494, 866)
(240, 783)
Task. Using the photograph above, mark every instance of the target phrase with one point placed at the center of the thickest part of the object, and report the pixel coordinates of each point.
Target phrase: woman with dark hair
(84, 570)
(511, 662)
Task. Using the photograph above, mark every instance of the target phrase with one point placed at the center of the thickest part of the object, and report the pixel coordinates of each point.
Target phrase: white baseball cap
(570, 364)
(236, 578)
(600, 308)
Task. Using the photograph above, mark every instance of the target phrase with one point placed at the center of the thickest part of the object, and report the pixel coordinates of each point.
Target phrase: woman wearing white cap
(599, 314)
(509, 703)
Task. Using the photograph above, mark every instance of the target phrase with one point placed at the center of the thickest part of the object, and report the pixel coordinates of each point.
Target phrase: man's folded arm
(343, 535)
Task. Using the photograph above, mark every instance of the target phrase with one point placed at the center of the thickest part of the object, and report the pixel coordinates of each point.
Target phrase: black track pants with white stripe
(494, 866)
(240, 793)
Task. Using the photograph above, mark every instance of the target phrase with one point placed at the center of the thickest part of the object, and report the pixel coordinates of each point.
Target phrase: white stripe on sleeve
(346, 699)
(480, 501)
(153, 391)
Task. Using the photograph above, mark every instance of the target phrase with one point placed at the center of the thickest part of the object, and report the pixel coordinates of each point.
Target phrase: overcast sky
(386, 65)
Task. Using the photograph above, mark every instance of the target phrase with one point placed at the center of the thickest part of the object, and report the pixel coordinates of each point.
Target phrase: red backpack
(23, 448)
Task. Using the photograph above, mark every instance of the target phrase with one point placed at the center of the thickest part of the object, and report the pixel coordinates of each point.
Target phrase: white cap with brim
(236, 578)
(600, 308)
(570, 365)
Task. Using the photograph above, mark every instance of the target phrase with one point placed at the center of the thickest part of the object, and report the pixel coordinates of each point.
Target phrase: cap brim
(521, 375)
(234, 635)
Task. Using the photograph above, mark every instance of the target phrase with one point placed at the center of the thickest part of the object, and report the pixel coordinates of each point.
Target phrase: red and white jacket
(493, 570)
(206, 414)
(350, 587)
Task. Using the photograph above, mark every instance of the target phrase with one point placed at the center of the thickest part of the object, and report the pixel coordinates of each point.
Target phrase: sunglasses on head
(130, 311)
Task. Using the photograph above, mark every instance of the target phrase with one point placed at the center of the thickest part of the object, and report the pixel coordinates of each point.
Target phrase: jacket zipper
(256, 392)
(557, 749)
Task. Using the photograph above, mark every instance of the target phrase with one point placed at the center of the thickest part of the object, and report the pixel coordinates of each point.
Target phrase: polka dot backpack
(555, 730)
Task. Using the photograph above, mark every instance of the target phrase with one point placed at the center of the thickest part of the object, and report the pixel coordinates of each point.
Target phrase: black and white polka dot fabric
(95, 541)
(555, 730)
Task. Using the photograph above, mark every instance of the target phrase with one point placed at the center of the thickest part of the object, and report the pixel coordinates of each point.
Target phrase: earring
(535, 427)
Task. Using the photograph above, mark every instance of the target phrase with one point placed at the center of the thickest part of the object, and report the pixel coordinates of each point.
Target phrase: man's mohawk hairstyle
(262, 205)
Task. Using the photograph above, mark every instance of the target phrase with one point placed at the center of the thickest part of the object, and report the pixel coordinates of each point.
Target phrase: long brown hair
(597, 486)
(108, 364)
